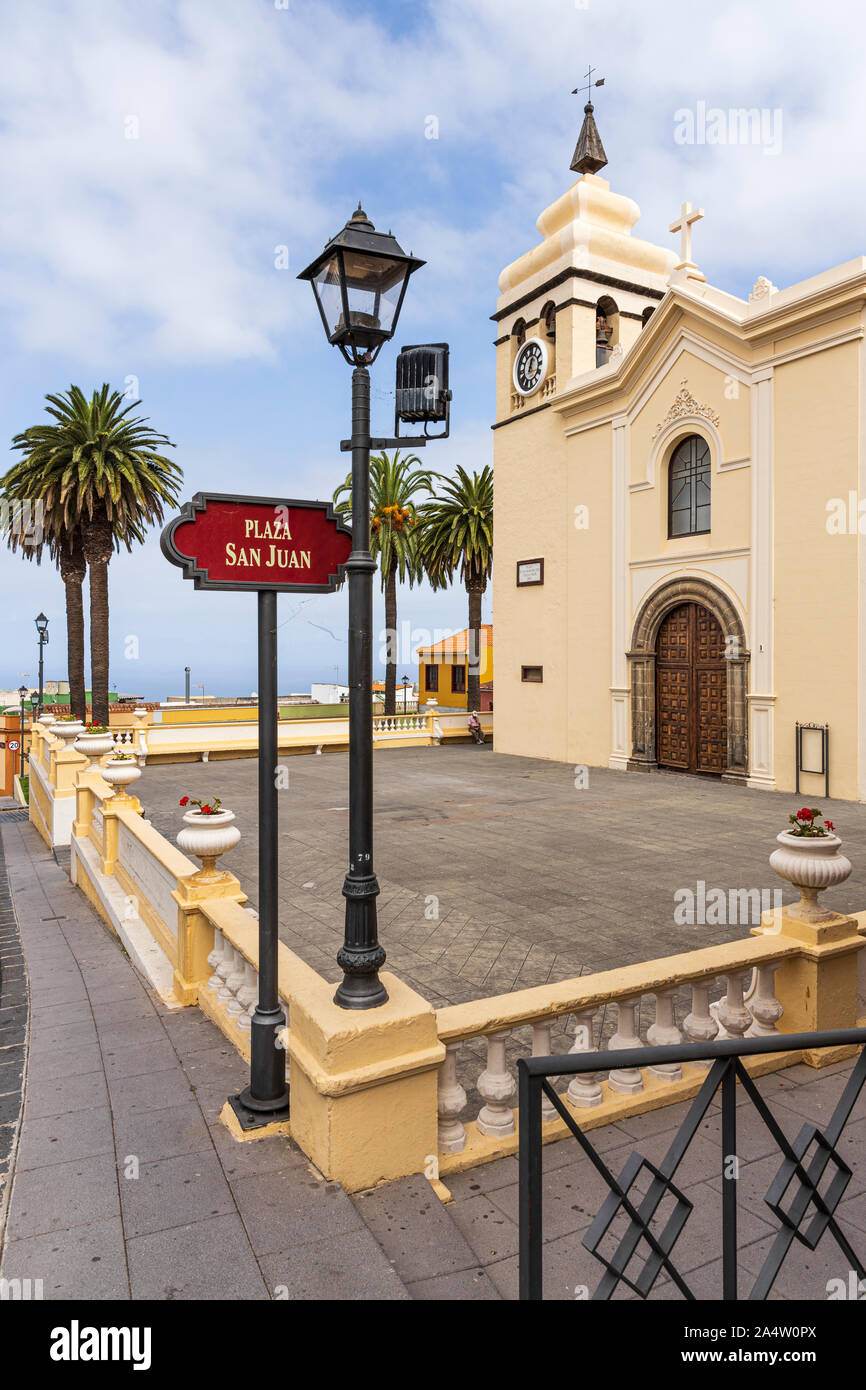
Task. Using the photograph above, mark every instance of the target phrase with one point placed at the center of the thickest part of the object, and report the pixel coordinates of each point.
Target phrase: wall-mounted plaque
(530, 572)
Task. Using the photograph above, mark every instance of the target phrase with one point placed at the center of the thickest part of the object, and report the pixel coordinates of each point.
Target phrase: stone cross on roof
(687, 216)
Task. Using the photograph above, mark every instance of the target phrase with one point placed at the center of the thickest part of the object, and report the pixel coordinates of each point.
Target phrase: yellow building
(443, 669)
(688, 584)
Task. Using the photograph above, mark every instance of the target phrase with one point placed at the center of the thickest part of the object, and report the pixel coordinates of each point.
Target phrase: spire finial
(589, 155)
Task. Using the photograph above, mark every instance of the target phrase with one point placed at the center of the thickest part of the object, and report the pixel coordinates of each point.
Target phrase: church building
(679, 565)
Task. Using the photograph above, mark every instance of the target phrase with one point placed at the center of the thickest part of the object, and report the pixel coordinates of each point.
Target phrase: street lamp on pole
(23, 692)
(405, 684)
(42, 630)
(359, 282)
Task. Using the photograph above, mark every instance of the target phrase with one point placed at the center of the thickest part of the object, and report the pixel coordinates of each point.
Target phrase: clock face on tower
(530, 366)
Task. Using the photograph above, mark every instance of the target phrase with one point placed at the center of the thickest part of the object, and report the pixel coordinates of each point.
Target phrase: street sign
(14, 745)
(222, 541)
(266, 546)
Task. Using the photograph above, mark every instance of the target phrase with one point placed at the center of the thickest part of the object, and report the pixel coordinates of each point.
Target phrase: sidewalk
(124, 1183)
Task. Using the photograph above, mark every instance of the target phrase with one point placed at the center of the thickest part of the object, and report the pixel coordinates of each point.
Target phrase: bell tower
(576, 302)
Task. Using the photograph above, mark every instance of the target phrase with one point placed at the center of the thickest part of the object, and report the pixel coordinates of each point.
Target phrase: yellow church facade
(678, 568)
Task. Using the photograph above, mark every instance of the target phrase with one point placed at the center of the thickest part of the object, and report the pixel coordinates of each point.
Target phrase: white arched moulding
(686, 588)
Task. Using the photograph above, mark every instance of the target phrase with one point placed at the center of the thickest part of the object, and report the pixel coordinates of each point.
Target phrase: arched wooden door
(691, 692)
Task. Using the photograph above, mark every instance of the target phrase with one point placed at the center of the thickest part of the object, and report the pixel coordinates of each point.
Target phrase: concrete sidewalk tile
(283, 1209)
(61, 1062)
(148, 1093)
(141, 1059)
(208, 1259)
(189, 1031)
(116, 1012)
(464, 1286)
(59, 1015)
(64, 1138)
(417, 1233)
(46, 1039)
(179, 1129)
(350, 1268)
(133, 1032)
(63, 1195)
(174, 1192)
(58, 1096)
(87, 1262)
(247, 1159)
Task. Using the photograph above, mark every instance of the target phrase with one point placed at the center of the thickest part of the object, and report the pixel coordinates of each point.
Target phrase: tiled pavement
(125, 1185)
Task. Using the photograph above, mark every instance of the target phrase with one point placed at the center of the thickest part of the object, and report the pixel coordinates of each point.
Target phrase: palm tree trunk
(99, 641)
(391, 628)
(96, 535)
(475, 589)
(73, 568)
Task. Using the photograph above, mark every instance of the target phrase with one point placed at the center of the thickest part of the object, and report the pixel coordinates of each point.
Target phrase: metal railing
(727, 1068)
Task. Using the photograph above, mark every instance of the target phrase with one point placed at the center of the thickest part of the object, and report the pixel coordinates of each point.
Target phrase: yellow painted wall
(531, 519)
(444, 695)
(816, 402)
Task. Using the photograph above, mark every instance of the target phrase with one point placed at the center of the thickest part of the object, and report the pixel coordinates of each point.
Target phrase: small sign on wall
(529, 572)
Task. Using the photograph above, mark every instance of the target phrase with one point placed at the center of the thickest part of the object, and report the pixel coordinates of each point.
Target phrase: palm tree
(393, 522)
(30, 535)
(457, 534)
(97, 473)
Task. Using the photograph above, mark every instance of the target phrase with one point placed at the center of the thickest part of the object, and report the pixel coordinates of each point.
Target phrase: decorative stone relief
(762, 289)
(685, 404)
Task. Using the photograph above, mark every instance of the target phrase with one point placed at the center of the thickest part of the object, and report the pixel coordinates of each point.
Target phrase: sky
(161, 162)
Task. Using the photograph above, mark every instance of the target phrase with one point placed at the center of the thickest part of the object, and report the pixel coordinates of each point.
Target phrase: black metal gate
(809, 1211)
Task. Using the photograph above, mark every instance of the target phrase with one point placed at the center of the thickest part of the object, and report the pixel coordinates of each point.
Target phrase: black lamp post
(359, 281)
(42, 630)
(23, 692)
(405, 684)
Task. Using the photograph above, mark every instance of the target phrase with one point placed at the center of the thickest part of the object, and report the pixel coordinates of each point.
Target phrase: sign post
(268, 545)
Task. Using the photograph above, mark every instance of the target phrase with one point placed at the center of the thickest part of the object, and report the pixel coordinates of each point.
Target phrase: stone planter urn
(67, 729)
(207, 837)
(811, 863)
(94, 745)
(119, 773)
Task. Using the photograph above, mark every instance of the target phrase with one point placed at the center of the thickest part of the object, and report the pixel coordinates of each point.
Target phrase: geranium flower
(184, 801)
(805, 814)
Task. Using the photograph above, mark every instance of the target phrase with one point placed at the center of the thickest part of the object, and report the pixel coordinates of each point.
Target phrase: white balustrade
(664, 1033)
(497, 1088)
(541, 1048)
(763, 1004)
(734, 1018)
(584, 1089)
(247, 996)
(450, 1103)
(627, 1081)
(700, 1026)
(216, 958)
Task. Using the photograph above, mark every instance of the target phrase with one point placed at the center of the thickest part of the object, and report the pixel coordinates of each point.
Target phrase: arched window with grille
(689, 488)
(518, 333)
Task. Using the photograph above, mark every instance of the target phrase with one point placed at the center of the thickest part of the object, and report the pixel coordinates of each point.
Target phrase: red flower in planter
(184, 801)
(829, 824)
(805, 814)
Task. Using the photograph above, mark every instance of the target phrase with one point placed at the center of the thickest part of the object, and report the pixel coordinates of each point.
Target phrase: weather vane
(589, 84)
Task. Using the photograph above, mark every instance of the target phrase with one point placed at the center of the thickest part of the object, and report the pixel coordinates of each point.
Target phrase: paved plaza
(497, 873)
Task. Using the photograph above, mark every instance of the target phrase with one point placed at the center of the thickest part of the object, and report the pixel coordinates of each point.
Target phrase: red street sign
(222, 541)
